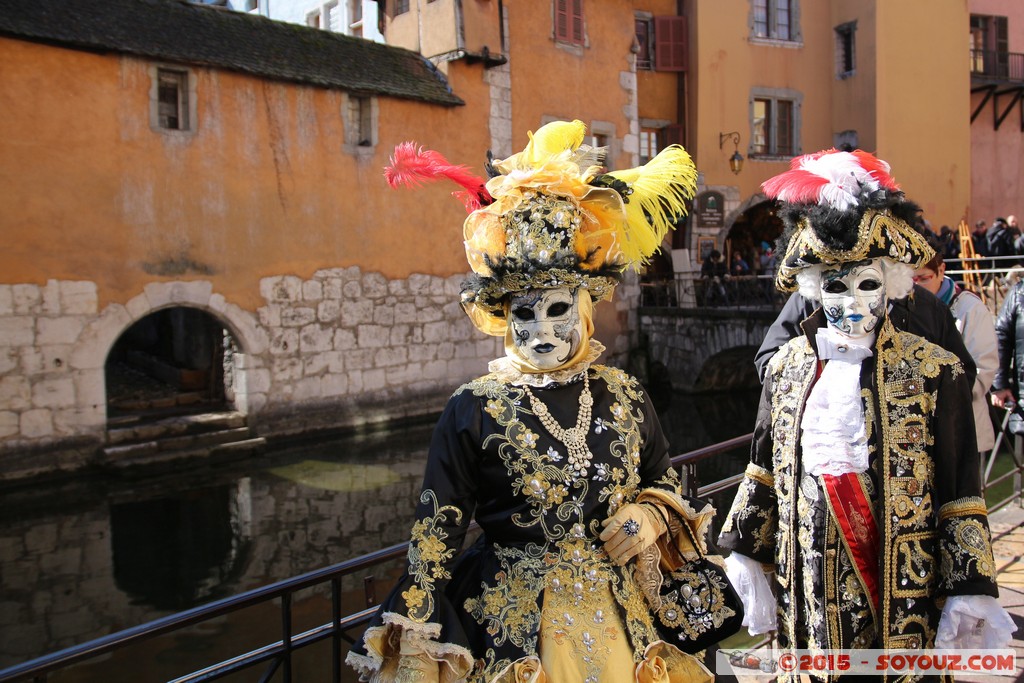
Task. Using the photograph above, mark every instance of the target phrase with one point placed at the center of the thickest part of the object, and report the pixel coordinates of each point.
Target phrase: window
(360, 124)
(400, 7)
(172, 99)
(355, 18)
(773, 126)
(661, 43)
(313, 19)
(252, 5)
(643, 41)
(774, 19)
(569, 21)
(648, 144)
(846, 57)
(990, 46)
(602, 140)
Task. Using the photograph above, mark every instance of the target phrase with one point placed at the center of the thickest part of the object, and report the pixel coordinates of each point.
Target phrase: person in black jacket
(1010, 336)
(920, 313)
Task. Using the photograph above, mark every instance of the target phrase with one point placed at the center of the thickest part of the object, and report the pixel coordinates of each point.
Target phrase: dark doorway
(753, 236)
(177, 359)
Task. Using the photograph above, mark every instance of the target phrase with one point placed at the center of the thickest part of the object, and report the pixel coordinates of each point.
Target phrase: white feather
(846, 178)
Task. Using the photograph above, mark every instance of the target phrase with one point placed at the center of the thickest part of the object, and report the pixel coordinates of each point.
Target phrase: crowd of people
(859, 521)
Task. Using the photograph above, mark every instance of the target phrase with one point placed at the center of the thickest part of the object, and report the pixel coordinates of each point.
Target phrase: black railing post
(336, 629)
(286, 635)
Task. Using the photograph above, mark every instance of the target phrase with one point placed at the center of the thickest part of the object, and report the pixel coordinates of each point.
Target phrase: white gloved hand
(974, 622)
(751, 584)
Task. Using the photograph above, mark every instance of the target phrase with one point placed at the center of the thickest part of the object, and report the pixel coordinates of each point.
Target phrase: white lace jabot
(834, 439)
(504, 369)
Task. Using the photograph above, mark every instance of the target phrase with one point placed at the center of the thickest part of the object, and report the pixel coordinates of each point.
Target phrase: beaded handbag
(699, 607)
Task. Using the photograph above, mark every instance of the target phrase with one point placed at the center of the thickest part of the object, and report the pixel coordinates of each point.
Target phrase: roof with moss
(203, 35)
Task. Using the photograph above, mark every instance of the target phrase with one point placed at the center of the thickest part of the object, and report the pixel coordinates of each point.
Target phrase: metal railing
(997, 65)
(277, 656)
(689, 290)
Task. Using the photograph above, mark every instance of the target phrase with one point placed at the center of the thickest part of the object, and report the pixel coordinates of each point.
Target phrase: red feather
(797, 186)
(878, 169)
(412, 166)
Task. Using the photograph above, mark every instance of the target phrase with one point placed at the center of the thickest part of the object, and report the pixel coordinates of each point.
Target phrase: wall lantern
(736, 160)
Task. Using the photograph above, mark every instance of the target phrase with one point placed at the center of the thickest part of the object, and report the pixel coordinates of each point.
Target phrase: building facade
(788, 77)
(199, 200)
(997, 112)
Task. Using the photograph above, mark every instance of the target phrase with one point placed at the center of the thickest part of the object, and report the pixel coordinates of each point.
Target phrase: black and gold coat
(492, 459)
(923, 486)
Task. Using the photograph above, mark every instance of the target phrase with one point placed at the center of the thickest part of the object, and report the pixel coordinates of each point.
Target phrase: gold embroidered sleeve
(965, 549)
(753, 520)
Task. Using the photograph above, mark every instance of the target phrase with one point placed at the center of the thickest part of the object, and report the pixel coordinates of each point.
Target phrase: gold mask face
(546, 325)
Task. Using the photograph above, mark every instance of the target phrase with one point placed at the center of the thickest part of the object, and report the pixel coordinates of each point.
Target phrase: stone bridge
(705, 348)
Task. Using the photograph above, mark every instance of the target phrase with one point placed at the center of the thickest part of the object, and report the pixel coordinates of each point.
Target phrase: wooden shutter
(674, 134)
(670, 43)
(562, 20)
(1002, 46)
(576, 22)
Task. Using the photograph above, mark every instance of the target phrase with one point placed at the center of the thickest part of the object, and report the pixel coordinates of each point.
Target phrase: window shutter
(577, 22)
(1002, 45)
(562, 20)
(673, 134)
(670, 43)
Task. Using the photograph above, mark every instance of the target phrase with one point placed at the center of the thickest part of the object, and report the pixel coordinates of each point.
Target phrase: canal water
(82, 560)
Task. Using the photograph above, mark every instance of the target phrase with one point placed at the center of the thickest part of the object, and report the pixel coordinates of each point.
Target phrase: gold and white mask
(546, 327)
(853, 297)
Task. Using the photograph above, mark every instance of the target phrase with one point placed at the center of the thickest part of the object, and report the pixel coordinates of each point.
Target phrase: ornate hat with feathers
(548, 217)
(842, 207)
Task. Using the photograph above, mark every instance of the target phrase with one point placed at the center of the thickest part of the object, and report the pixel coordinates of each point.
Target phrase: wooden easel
(972, 279)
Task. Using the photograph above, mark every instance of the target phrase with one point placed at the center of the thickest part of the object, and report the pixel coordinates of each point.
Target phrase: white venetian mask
(853, 297)
(546, 325)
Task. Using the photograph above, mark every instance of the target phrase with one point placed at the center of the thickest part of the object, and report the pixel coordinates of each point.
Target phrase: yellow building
(793, 76)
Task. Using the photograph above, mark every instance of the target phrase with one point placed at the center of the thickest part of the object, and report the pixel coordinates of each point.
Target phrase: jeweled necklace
(575, 438)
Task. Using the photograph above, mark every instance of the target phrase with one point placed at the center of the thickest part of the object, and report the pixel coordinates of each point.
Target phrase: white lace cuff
(750, 582)
(975, 622)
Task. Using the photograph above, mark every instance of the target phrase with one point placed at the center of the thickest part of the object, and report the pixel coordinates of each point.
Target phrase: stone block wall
(46, 393)
(348, 348)
(342, 348)
(683, 340)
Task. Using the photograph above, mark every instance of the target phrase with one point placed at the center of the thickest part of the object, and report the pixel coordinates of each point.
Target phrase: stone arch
(93, 345)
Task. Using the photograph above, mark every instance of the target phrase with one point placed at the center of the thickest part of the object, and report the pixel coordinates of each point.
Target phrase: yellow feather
(661, 189)
(553, 139)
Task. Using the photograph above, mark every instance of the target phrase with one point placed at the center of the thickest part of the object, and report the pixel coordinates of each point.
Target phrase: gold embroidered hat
(549, 218)
(842, 207)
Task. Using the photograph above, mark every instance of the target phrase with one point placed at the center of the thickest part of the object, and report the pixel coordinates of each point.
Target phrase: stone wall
(340, 349)
(684, 339)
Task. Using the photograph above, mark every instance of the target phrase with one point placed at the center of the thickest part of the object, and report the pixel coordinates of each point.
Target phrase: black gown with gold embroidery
(539, 557)
(922, 485)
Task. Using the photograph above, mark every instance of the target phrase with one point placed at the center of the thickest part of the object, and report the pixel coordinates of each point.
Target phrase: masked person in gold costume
(862, 494)
(560, 460)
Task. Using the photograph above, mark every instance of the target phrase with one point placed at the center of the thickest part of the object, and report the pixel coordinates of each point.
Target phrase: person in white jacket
(976, 326)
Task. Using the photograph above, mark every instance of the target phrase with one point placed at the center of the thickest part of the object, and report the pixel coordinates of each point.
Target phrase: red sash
(853, 513)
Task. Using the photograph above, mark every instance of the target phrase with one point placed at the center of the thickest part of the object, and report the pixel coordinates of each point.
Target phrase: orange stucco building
(197, 194)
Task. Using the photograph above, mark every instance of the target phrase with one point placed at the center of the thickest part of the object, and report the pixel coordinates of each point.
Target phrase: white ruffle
(834, 439)
(974, 622)
(748, 578)
(505, 370)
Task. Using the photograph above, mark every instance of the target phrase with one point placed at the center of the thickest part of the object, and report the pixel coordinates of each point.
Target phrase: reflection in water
(104, 554)
(177, 552)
